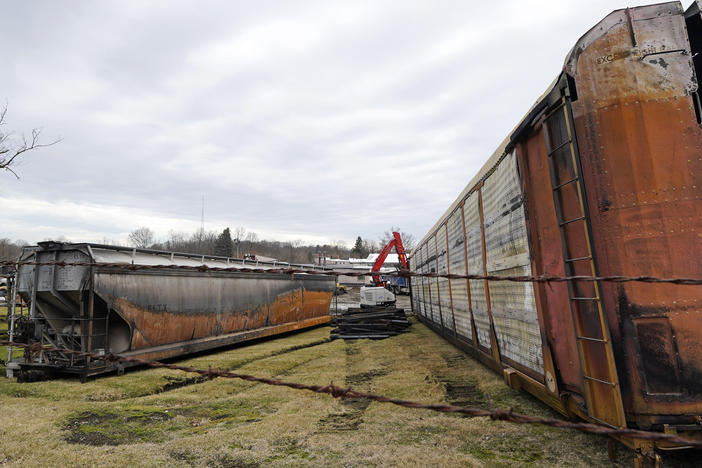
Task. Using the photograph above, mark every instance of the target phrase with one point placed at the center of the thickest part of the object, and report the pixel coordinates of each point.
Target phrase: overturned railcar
(153, 313)
(603, 176)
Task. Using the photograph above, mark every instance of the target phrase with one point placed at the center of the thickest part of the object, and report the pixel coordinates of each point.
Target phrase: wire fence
(359, 274)
(348, 392)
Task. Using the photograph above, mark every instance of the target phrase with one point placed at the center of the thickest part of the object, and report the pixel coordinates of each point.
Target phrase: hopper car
(602, 176)
(152, 313)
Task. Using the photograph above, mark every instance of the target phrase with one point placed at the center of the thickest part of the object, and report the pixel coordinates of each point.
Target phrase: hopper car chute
(603, 176)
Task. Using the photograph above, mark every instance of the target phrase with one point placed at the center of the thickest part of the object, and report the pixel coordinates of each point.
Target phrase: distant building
(392, 262)
(259, 258)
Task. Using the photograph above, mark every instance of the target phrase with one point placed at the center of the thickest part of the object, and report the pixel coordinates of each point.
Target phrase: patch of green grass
(288, 449)
(143, 382)
(225, 460)
(504, 449)
(116, 426)
(16, 352)
(420, 434)
(129, 423)
(158, 417)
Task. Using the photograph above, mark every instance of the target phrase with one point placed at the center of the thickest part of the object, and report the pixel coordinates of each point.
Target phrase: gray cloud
(312, 120)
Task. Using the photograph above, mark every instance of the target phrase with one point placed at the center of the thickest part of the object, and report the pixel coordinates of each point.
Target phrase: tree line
(240, 243)
(237, 243)
(10, 250)
(363, 247)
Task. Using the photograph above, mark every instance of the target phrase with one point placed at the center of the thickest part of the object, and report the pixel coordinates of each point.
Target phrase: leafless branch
(9, 153)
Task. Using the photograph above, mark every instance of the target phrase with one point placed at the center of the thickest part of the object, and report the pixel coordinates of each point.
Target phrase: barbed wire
(353, 273)
(348, 392)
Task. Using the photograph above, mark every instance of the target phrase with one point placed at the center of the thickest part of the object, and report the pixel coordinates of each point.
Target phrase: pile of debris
(374, 323)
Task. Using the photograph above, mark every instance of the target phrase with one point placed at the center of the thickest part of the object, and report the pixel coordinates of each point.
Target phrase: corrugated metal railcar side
(602, 176)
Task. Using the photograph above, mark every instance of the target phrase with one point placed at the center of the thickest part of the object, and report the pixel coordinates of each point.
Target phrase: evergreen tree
(358, 249)
(224, 245)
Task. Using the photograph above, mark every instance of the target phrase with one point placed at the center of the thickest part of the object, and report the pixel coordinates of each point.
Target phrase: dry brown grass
(132, 421)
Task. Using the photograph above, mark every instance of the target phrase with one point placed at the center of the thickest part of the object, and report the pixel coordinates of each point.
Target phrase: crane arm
(395, 242)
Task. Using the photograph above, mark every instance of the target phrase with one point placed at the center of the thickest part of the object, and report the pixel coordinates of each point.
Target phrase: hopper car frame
(151, 313)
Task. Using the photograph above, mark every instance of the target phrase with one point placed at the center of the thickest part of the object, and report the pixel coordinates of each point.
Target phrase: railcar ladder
(599, 373)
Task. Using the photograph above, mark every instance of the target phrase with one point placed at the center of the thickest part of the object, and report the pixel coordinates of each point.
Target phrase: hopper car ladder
(598, 369)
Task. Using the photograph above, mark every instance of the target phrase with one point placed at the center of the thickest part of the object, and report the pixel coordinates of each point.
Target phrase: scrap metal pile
(374, 323)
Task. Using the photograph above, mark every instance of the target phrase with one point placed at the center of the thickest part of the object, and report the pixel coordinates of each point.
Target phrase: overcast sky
(306, 120)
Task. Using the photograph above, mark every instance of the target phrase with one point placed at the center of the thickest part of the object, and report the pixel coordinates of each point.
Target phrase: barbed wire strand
(399, 273)
(348, 392)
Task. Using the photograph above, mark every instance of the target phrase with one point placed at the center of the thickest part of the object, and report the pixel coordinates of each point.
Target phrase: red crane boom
(395, 242)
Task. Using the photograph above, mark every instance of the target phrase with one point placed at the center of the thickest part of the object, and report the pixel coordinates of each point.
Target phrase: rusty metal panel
(640, 144)
(443, 283)
(548, 258)
(167, 307)
(457, 265)
(658, 349)
(112, 309)
(507, 254)
(637, 113)
(474, 246)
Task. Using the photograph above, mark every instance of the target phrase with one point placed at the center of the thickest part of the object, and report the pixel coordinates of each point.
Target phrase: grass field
(157, 417)
(3, 349)
(3, 335)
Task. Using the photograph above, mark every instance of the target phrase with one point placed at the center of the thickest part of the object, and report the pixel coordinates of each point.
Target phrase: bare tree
(369, 247)
(10, 250)
(408, 240)
(142, 237)
(11, 148)
(239, 233)
(248, 242)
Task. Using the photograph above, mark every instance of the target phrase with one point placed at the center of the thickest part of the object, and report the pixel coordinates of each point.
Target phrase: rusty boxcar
(603, 176)
(154, 313)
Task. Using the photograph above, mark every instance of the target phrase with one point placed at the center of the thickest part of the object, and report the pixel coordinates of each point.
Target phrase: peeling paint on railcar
(160, 311)
(155, 328)
(636, 113)
(636, 122)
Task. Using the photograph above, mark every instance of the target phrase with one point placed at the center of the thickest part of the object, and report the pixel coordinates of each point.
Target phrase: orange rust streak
(212, 342)
(641, 152)
(548, 258)
(153, 328)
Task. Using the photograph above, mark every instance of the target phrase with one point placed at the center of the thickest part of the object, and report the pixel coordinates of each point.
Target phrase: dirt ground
(159, 417)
